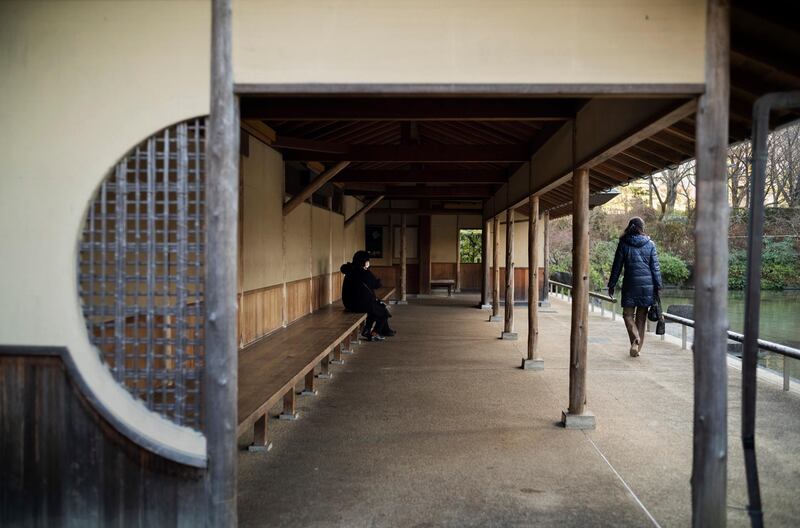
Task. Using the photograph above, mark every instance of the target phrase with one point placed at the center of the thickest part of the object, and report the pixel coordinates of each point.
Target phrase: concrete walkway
(438, 426)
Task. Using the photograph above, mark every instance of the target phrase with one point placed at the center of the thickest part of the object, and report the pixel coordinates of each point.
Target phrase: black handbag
(656, 315)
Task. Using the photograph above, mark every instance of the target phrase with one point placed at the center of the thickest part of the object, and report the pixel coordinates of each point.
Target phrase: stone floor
(439, 426)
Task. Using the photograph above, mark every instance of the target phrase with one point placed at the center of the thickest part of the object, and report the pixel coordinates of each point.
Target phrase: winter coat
(637, 254)
(358, 289)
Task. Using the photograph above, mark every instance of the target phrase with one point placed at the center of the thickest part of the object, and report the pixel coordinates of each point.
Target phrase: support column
(710, 452)
(534, 360)
(457, 285)
(261, 442)
(403, 262)
(508, 327)
(424, 240)
(544, 296)
(289, 406)
(485, 278)
(222, 189)
(495, 269)
(578, 416)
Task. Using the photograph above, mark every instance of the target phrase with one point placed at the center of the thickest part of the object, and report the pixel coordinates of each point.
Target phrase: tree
(670, 179)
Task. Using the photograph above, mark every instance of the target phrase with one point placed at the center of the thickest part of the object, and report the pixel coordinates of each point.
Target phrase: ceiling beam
(455, 192)
(422, 176)
(432, 211)
(428, 153)
(313, 187)
(400, 109)
(369, 205)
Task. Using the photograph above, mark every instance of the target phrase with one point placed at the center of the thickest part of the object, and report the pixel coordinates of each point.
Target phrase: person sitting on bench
(358, 295)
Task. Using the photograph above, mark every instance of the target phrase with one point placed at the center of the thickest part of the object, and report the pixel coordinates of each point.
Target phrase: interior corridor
(439, 426)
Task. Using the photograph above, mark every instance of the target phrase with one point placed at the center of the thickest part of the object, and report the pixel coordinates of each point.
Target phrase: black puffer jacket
(637, 254)
(358, 288)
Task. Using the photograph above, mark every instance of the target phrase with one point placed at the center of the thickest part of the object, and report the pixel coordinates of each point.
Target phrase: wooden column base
(495, 318)
(337, 355)
(532, 364)
(509, 336)
(578, 421)
(289, 412)
(310, 389)
(325, 368)
(261, 442)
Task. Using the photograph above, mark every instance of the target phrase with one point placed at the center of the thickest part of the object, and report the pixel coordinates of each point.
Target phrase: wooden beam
(710, 446)
(313, 187)
(534, 359)
(495, 267)
(427, 153)
(403, 259)
(545, 295)
(605, 127)
(428, 212)
(220, 383)
(309, 145)
(423, 176)
(406, 109)
(259, 130)
(450, 191)
(577, 414)
(508, 326)
(361, 212)
(424, 253)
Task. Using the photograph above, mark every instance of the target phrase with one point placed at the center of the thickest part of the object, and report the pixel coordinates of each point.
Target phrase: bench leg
(289, 412)
(356, 336)
(309, 389)
(325, 368)
(449, 290)
(337, 355)
(347, 347)
(261, 442)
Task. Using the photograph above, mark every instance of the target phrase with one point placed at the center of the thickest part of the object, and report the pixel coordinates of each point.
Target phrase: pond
(780, 320)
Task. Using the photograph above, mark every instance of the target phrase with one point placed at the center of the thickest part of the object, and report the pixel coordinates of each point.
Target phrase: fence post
(684, 335)
(786, 379)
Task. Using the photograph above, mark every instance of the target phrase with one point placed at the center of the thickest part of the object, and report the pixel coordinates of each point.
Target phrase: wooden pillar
(544, 297)
(220, 383)
(403, 261)
(577, 416)
(310, 388)
(424, 240)
(289, 406)
(710, 452)
(508, 327)
(495, 269)
(534, 360)
(485, 278)
(261, 441)
(457, 285)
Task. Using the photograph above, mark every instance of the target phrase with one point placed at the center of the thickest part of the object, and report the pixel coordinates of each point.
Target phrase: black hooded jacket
(358, 288)
(637, 254)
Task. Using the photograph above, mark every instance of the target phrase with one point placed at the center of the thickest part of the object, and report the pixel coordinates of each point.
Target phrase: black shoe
(377, 337)
(389, 333)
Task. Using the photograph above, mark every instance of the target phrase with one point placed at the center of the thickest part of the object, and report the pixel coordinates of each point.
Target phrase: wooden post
(310, 388)
(313, 187)
(222, 203)
(325, 368)
(403, 261)
(261, 441)
(457, 285)
(534, 361)
(710, 452)
(424, 253)
(544, 298)
(364, 210)
(577, 416)
(495, 269)
(485, 278)
(508, 327)
(289, 406)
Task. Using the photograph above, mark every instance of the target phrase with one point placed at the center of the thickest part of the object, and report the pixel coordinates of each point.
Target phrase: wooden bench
(449, 283)
(270, 368)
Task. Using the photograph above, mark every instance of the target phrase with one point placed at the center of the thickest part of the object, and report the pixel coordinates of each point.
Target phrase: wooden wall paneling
(47, 481)
(471, 275)
(261, 313)
(297, 299)
(520, 280)
(443, 270)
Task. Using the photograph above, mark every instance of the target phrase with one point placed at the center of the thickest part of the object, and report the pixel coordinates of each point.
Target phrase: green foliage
(470, 243)
(779, 267)
(673, 269)
(601, 258)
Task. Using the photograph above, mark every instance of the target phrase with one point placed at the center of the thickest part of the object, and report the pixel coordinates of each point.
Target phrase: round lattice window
(141, 271)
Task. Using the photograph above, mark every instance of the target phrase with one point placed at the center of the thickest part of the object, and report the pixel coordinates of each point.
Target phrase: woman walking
(642, 279)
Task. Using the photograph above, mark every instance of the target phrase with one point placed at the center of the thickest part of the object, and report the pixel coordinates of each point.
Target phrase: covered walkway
(440, 426)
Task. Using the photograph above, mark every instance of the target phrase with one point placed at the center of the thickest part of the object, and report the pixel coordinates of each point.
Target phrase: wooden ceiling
(463, 149)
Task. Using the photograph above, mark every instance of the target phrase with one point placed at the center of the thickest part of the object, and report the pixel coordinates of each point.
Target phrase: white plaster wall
(469, 41)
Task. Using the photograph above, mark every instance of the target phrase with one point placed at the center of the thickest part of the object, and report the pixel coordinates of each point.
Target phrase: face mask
(366, 265)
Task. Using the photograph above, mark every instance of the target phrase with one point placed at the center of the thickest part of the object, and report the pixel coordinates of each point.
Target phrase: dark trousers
(378, 317)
